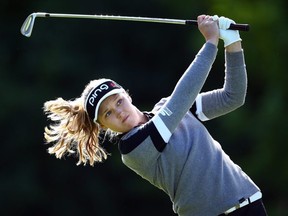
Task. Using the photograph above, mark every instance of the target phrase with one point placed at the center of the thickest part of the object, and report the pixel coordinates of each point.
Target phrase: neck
(143, 118)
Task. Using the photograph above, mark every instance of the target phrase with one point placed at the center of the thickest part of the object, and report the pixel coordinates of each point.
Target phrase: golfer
(168, 146)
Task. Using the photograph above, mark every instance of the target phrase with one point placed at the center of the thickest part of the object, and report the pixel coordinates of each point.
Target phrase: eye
(119, 102)
(107, 114)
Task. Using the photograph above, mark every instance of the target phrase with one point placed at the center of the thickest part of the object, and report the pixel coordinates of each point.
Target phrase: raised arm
(222, 101)
(192, 81)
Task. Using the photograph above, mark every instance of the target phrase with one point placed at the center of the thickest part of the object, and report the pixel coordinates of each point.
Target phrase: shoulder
(146, 133)
(160, 104)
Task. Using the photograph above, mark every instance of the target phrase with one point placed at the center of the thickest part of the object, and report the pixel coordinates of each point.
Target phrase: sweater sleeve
(218, 102)
(186, 90)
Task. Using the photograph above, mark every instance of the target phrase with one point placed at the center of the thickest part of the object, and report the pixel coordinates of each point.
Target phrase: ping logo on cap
(97, 92)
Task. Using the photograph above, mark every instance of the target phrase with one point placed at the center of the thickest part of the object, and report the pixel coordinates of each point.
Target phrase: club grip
(240, 27)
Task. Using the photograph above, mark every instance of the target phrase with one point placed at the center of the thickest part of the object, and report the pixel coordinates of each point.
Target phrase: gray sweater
(176, 153)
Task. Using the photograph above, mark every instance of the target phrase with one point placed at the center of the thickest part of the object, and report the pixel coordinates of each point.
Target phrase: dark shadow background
(63, 55)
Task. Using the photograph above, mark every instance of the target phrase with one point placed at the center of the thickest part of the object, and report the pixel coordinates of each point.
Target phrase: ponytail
(72, 131)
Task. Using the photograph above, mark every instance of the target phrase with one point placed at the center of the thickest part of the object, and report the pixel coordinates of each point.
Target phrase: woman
(168, 146)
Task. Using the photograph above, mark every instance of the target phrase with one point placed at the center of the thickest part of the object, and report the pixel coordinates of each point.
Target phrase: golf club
(28, 24)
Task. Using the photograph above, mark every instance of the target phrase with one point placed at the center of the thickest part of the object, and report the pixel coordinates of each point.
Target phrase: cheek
(129, 105)
(107, 122)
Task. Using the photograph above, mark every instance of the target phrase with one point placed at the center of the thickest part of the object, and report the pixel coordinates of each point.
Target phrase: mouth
(125, 119)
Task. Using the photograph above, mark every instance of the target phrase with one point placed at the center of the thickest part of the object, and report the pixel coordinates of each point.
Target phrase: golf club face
(28, 24)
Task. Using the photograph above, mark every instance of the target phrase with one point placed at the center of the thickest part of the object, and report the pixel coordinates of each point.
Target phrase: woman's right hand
(208, 28)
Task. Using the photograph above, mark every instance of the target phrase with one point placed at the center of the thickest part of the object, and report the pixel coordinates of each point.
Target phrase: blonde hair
(72, 130)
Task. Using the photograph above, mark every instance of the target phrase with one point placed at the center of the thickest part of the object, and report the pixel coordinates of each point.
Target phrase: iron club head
(28, 24)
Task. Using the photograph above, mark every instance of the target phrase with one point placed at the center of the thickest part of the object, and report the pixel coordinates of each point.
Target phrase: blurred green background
(62, 56)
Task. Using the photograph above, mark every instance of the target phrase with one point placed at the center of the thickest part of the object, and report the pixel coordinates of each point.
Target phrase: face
(118, 113)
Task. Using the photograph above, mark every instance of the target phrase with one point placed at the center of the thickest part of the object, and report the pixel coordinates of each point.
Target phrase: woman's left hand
(208, 28)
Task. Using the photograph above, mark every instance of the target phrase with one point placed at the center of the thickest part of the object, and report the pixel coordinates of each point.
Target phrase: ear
(102, 126)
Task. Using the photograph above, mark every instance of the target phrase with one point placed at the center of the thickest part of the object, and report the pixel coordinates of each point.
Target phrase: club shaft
(112, 17)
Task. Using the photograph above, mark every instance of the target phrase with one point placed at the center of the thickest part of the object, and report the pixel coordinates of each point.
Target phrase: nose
(120, 113)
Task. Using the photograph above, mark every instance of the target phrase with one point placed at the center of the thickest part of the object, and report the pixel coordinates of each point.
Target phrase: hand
(209, 29)
(228, 36)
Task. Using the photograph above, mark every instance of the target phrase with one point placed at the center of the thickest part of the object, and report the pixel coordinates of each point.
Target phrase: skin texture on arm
(234, 47)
